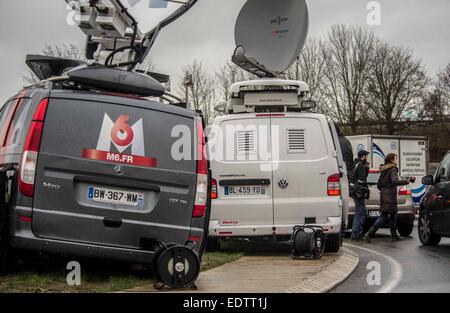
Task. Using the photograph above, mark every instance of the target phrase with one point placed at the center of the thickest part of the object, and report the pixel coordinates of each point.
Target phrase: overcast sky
(206, 32)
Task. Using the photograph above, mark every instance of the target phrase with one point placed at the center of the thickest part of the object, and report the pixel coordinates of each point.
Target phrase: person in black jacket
(387, 184)
(346, 147)
(358, 179)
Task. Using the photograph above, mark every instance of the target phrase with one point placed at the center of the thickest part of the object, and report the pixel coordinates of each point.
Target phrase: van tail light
(334, 185)
(31, 148)
(213, 189)
(201, 195)
(404, 192)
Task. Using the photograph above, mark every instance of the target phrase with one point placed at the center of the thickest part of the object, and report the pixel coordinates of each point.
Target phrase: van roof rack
(45, 67)
(116, 80)
(269, 85)
(267, 95)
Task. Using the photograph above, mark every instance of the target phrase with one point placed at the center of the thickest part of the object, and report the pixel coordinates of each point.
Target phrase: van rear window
(116, 133)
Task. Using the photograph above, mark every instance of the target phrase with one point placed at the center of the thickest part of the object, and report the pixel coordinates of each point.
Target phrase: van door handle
(112, 223)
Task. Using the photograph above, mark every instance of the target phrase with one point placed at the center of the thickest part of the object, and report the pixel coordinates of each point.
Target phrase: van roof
(301, 86)
(230, 117)
(122, 99)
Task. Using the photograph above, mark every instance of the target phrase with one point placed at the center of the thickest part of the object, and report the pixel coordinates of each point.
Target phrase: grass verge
(48, 274)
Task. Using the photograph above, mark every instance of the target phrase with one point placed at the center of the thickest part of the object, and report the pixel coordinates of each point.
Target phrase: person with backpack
(387, 184)
(359, 192)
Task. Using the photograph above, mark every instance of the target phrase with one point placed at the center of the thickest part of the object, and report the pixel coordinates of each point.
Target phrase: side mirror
(428, 180)
(221, 107)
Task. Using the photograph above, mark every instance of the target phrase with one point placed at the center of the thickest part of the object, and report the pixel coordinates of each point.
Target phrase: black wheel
(177, 267)
(8, 257)
(333, 243)
(367, 226)
(405, 230)
(426, 234)
(212, 244)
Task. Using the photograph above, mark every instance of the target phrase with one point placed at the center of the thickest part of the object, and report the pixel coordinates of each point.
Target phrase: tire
(367, 227)
(405, 230)
(425, 231)
(8, 259)
(212, 244)
(333, 243)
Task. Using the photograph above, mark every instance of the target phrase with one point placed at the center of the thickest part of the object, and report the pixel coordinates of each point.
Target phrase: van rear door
(106, 174)
(241, 165)
(305, 165)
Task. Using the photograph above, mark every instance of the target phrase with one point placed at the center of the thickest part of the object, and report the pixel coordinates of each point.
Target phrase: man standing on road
(346, 147)
(359, 193)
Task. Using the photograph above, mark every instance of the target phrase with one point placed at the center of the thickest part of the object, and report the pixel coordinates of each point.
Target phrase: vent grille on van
(245, 142)
(296, 140)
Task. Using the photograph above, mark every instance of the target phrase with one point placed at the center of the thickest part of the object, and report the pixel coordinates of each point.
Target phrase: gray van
(89, 173)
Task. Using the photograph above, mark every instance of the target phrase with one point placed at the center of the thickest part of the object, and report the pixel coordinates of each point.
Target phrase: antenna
(269, 35)
(111, 26)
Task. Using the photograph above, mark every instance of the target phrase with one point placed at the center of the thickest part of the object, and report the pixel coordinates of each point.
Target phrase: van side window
(5, 120)
(17, 125)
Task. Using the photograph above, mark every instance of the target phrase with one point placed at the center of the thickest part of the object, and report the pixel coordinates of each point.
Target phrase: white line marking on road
(396, 270)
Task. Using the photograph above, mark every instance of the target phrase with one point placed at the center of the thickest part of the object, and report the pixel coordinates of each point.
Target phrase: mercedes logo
(118, 169)
(283, 183)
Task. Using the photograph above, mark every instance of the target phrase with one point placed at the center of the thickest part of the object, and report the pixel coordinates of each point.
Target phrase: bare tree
(202, 92)
(443, 84)
(309, 68)
(64, 51)
(347, 52)
(229, 74)
(396, 85)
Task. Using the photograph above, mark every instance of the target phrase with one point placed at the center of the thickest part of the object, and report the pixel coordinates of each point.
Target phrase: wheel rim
(424, 227)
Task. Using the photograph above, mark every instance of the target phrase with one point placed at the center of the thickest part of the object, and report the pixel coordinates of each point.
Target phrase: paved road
(406, 266)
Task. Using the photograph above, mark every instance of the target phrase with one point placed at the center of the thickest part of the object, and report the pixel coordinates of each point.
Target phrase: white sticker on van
(121, 136)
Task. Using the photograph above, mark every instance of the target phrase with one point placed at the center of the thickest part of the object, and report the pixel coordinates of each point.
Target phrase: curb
(331, 276)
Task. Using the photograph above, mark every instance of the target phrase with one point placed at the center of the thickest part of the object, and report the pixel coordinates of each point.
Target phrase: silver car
(406, 209)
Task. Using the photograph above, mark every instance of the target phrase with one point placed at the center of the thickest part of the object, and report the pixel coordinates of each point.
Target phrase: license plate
(374, 213)
(115, 196)
(244, 190)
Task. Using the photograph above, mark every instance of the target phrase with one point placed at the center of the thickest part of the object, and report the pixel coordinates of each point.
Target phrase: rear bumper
(27, 241)
(403, 217)
(23, 238)
(332, 226)
(405, 212)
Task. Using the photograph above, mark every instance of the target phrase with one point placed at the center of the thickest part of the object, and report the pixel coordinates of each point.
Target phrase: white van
(412, 154)
(275, 165)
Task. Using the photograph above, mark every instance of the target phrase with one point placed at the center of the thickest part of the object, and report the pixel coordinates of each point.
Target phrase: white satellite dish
(272, 32)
